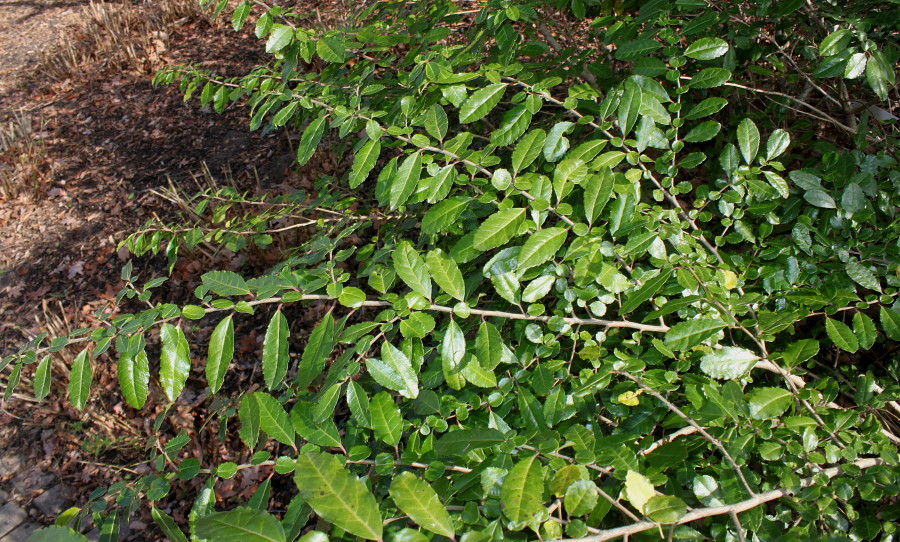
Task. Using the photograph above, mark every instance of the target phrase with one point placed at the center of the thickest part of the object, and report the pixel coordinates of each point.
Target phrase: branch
(736, 508)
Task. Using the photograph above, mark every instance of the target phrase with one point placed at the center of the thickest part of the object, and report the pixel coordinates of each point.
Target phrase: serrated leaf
(167, 525)
(310, 139)
(436, 122)
(841, 334)
(514, 123)
(273, 419)
(521, 496)
(636, 49)
(597, 191)
(707, 49)
(410, 267)
(565, 477)
(705, 108)
(481, 102)
(629, 106)
(358, 402)
(281, 37)
(768, 403)
(364, 161)
(541, 247)
(225, 283)
(778, 142)
(337, 495)
(248, 414)
(58, 533)
(321, 342)
(686, 335)
(220, 353)
(134, 377)
(453, 348)
(856, 66)
(42, 377)
(240, 525)
(729, 363)
(538, 288)
(320, 433)
(80, 377)
(710, 77)
(581, 498)
(446, 274)
(890, 322)
(864, 329)
(638, 489)
(748, 140)
(394, 371)
(498, 228)
(387, 422)
(174, 362)
(703, 132)
(799, 351)
(556, 144)
(418, 500)
(819, 198)
(879, 74)
(664, 509)
(863, 275)
(778, 183)
(405, 180)
(444, 214)
(477, 375)
(835, 42)
(645, 292)
(275, 355)
(331, 49)
(528, 149)
(488, 346)
(463, 441)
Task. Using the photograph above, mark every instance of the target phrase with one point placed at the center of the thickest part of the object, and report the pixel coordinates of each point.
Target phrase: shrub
(596, 268)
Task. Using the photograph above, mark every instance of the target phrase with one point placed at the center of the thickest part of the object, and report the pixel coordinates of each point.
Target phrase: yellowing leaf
(638, 489)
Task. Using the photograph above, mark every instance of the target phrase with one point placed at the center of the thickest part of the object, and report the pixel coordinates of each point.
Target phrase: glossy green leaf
(446, 274)
(404, 182)
(880, 74)
(444, 214)
(633, 50)
(707, 49)
(649, 289)
(320, 433)
(42, 377)
(705, 108)
(175, 360)
(477, 375)
(686, 335)
(337, 495)
(280, 37)
(856, 66)
(80, 377)
(225, 283)
(453, 348)
(864, 329)
(890, 322)
(528, 149)
(556, 143)
(387, 422)
(358, 402)
(248, 414)
(461, 442)
(863, 275)
(835, 42)
(597, 191)
(394, 371)
(778, 142)
(498, 228)
(331, 48)
(481, 102)
(629, 106)
(541, 247)
(514, 123)
(60, 533)
(239, 525)
(703, 132)
(710, 78)
(521, 496)
(310, 140)
(273, 419)
(411, 269)
(436, 122)
(799, 351)
(768, 403)
(489, 346)
(580, 498)
(167, 525)
(729, 363)
(321, 342)
(418, 500)
(664, 509)
(841, 334)
(134, 377)
(820, 198)
(275, 355)
(364, 161)
(748, 140)
(220, 353)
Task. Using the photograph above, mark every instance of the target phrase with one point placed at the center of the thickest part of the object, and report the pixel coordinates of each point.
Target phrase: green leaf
(404, 182)
(436, 122)
(444, 214)
(890, 322)
(748, 140)
(556, 144)
(629, 106)
(688, 334)
(636, 49)
(705, 108)
(221, 352)
(710, 77)
(387, 422)
(768, 403)
(358, 402)
(864, 329)
(410, 267)
(273, 419)
(841, 334)
(799, 351)
(352, 297)
(463, 441)
(281, 118)
(638, 489)
(134, 377)
(729, 363)
(248, 414)
(707, 49)
(59, 533)
(581, 497)
(275, 355)
(453, 348)
(446, 274)
(528, 149)
(331, 49)
(80, 377)
(819, 198)
(521, 496)
(321, 342)
(703, 132)
(477, 375)
(364, 161)
(337, 495)
(239, 525)
(514, 123)
(541, 247)
(167, 525)
(42, 377)
(778, 142)
(320, 433)
(597, 191)
(645, 292)
(778, 183)
(310, 140)
(863, 275)
(664, 509)
(498, 228)
(835, 42)
(880, 74)
(481, 102)
(225, 283)
(419, 324)
(395, 371)
(489, 346)
(856, 66)
(538, 288)
(281, 37)
(174, 360)
(418, 500)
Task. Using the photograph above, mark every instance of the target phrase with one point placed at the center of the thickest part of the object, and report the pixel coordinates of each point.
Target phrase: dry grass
(23, 171)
